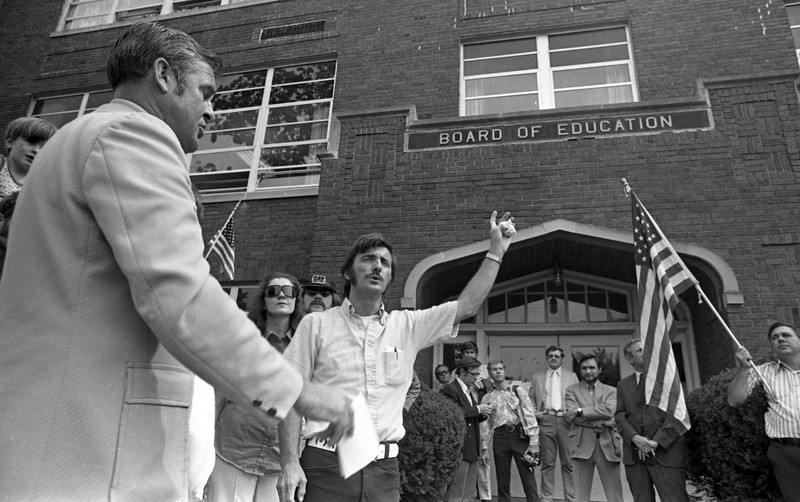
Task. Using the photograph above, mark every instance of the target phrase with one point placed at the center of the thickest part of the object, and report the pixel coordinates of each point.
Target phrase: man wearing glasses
(547, 393)
(463, 392)
(442, 374)
(319, 294)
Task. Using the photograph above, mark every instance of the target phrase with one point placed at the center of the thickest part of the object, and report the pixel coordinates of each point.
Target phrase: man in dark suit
(654, 448)
(462, 391)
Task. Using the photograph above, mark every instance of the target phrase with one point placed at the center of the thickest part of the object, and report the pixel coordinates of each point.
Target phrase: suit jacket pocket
(152, 443)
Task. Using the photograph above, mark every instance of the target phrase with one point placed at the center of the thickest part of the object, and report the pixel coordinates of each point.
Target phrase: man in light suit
(547, 394)
(462, 391)
(654, 448)
(107, 307)
(593, 438)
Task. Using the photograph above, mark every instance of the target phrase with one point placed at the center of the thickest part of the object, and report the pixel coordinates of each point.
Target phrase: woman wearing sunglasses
(248, 459)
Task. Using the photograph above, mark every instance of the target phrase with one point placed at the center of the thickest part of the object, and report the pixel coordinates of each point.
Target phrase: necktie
(555, 391)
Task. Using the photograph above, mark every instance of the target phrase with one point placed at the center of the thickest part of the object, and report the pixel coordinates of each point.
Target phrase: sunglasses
(440, 373)
(288, 291)
(314, 292)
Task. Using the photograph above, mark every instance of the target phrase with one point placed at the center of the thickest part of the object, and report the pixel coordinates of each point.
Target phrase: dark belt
(558, 413)
(508, 427)
(789, 441)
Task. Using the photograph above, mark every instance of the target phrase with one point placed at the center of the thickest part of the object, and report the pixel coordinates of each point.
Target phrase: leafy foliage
(431, 449)
(728, 446)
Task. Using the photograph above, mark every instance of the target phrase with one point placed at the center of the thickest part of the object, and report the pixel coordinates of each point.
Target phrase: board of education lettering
(563, 129)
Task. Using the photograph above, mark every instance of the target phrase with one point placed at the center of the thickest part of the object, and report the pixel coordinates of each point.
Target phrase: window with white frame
(578, 68)
(62, 109)
(88, 13)
(571, 301)
(268, 127)
(793, 11)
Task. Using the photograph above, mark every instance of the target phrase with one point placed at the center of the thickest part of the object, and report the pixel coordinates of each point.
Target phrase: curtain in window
(92, 13)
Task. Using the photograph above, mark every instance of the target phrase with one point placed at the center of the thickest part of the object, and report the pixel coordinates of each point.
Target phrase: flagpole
(219, 232)
(628, 190)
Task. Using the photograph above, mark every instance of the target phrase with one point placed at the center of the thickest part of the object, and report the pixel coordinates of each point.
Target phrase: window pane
(91, 8)
(536, 303)
(501, 85)
(241, 81)
(296, 132)
(555, 303)
(179, 5)
(99, 98)
(497, 309)
(500, 48)
(304, 73)
(299, 113)
(516, 306)
(601, 96)
(234, 120)
(591, 76)
(586, 38)
(59, 119)
(597, 304)
(577, 306)
(221, 161)
(227, 139)
(500, 65)
(237, 99)
(796, 37)
(502, 105)
(793, 11)
(301, 92)
(592, 55)
(618, 307)
(53, 105)
(293, 155)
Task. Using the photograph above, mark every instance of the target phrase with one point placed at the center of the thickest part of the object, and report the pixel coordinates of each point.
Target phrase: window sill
(276, 193)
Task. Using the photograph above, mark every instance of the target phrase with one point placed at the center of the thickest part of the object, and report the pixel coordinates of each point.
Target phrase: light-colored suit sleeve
(137, 188)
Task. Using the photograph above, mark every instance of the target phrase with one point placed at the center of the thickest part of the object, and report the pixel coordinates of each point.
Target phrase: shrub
(728, 446)
(431, 449)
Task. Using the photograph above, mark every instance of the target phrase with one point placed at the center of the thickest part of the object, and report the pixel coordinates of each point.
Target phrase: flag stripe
(661, 278)
(224, 248)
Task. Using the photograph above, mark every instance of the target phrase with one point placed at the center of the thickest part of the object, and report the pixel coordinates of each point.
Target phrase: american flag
(662, 276)
(224, 247)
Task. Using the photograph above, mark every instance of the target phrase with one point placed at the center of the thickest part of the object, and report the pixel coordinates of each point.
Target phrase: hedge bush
(728, 446)
(431, 449)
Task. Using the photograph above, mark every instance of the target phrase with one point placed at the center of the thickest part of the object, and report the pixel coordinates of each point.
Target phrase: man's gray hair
(137, 49)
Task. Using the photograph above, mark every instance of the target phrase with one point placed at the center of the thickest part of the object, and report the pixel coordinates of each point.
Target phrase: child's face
(21, 152)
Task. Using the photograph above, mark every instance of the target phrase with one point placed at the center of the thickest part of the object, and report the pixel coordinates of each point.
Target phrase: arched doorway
(592, 308)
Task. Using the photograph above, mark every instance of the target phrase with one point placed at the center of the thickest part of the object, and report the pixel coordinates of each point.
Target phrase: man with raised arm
(366, 350)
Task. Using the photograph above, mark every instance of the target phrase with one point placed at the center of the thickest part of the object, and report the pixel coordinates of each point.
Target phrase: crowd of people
(123, 388)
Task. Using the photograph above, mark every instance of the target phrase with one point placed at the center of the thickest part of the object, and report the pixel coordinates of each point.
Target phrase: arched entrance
(571, 285)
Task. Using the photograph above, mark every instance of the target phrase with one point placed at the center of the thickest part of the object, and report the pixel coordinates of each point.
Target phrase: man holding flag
(782, 419)
(651, 412)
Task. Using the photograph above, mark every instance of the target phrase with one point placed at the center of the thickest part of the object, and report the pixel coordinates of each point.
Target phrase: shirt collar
(463, 386)
(352, 311)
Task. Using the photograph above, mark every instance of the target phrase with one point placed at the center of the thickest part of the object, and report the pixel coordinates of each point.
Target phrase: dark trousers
(505, 446)
(669, 481)
(785, 461)
(377, 482)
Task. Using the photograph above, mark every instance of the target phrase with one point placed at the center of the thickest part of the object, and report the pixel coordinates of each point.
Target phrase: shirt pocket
(395, 371)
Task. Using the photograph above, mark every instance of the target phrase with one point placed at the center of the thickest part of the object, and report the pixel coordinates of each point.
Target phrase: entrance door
(523, 355)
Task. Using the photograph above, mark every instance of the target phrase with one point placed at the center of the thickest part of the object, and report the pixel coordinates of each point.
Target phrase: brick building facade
(420, 118)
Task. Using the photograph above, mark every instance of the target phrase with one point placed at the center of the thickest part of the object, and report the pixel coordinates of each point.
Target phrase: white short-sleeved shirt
(372, 355)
